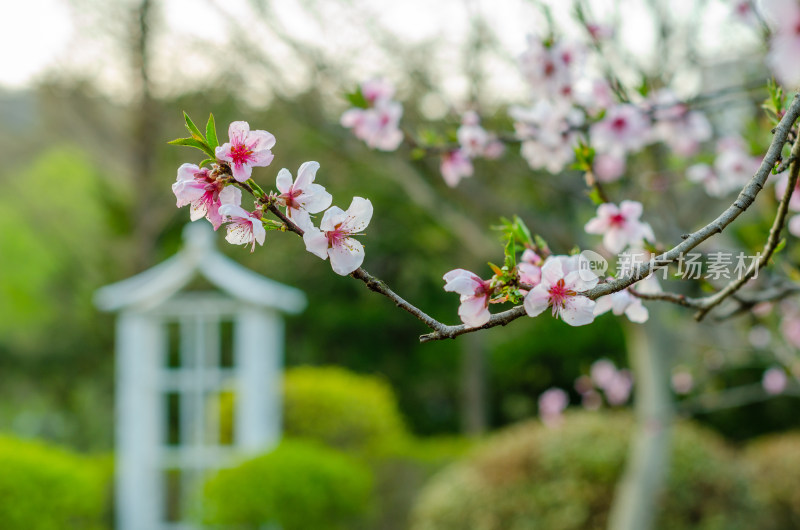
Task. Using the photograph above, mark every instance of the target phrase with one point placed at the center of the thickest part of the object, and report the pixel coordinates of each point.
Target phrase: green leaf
(192, 128)
(357, 99)
(417, 153)
(522, 232)
(511, 253)
(540, 242)
(594, 195)
(780, 246)
(191, 142)
(208, 161)
(211, 132)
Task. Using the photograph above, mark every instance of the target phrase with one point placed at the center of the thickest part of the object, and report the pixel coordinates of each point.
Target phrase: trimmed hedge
(43, 487)
(775, 461)
(299, 485)
(341, 409)
(531, 477)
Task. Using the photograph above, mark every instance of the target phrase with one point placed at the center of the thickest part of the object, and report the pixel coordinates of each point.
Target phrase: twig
(746, 198)
(769, 247)
(743, 201)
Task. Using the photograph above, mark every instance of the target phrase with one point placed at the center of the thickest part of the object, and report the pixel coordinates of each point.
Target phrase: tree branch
(769, 247)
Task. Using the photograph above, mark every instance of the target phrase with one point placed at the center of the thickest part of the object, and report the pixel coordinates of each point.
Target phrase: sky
(43, 35)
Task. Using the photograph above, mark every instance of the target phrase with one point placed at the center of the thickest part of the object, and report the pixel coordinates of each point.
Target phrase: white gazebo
(199, 354)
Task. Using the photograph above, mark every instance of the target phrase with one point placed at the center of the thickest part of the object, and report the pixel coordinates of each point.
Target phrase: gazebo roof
(198, 257)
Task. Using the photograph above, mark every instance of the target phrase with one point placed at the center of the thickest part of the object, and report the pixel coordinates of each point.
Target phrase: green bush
(299, 485)
(531, 477)
(775, 461)
(48, 488)
(341, 409)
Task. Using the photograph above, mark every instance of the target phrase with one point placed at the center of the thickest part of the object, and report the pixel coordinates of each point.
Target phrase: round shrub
(775, 461)
(299, 485)
(341, 409)
(531, 476)
(47, 488)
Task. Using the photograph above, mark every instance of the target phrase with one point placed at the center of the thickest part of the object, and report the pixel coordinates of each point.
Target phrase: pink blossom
(794, 225)
(608, 167)
(530, 268)
(790, 326)
(619, 388)
(734, 165)
(246, 149)
(599, 32)
(560, 289)
(705, 175)
(548, 134)
(594, 95)
(774, 380)
(682, 382)
(472, 138)
(302, 197)
(379, 125)
(455, 166)
(334, 236)
(551, 70)
(475, 293)
(683, 130)
(780, 189)
(244, 227)
(622, 302)
(743, 10)
(785, 42)
(603, 372)
(205, 194)
(552, 403)
(377, 89)
(620, 226)
(624, 129)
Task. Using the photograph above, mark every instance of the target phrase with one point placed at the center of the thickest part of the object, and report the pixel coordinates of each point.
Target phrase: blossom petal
(359, 215)
(316, 242)
(578, 311)
(231, 195)
(474, 311)
(315, 199)
(241, 172)
(259, 232)
(283, 181)
(630, 209)
(552, 271)
(637, 312)
(306, 174)
(300, 218)
(260, 140)
(240, 233)
(537, 301)
(346, 257)
(333, 216)
(462, 282)
(602, 305)
(238, 131)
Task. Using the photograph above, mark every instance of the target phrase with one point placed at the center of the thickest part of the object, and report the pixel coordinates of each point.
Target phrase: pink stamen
(617, 219)
(241, 154)
(559, 295)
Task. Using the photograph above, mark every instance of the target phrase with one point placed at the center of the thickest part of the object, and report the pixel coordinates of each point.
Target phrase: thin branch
(746, 303)
(769, 247)
(746, 198)
(743, 201)
(674, 298)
